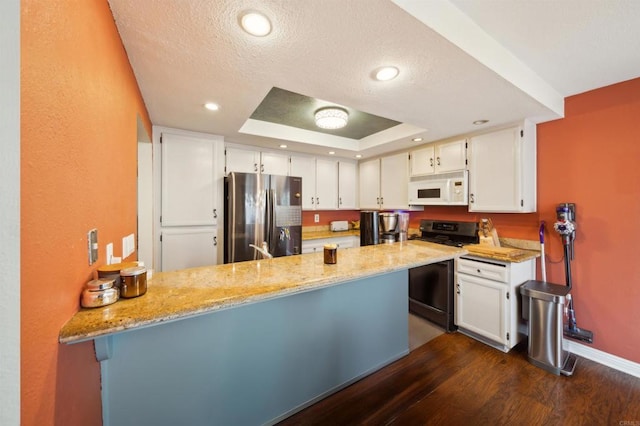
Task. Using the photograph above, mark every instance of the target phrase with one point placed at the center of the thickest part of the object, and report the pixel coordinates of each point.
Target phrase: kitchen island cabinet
(226, 344)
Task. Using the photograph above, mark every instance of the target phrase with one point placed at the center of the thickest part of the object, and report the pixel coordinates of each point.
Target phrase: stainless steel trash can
(543, 307)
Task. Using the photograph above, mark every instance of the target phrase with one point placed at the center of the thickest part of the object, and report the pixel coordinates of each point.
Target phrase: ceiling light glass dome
(331, 118)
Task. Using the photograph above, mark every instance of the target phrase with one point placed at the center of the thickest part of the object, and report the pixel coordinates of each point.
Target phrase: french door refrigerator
(261, 208)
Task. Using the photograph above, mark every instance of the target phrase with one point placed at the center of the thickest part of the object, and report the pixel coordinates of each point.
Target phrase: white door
(451, 156)
(481, 307)
(188, 248)
(347, 185)
(187, 184)
(394, 181)
(242, 160)
(494, 172)
(369, 184)
(305, 167)
(274, 164)
(326, 184)
(423, 161)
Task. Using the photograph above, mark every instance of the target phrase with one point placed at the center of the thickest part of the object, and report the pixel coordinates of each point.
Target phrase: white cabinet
(384, 183)
(502, 170)
(188, 189)
(188, 247)
(347, 185)
(305, 167)
(326, 184)
(188, 198)
(488, 305)
(440, 157)
(313, 246)
(319, 182)
(250, 161)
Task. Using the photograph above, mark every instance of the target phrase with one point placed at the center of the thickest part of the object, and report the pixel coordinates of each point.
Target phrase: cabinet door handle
(255, 167)
(381, 200)
(215, 241)
(458, 288)
(438, 160)
(261, 168)
(471, 198)
(339, 201)
(431, 161)
(312, 201)
(377, 200)
(478, 271)
(317, 201)
(215, 213)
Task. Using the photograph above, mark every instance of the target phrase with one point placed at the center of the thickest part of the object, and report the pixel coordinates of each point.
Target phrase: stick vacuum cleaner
(566, 226)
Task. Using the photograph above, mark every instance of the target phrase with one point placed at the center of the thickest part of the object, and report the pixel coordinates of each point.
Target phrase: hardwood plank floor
(455, 380)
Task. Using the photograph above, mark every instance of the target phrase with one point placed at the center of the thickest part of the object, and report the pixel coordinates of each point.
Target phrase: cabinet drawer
(490, 270)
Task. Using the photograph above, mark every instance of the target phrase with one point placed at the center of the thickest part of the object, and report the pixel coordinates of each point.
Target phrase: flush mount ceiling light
(358, 156)
(255, 23)
(331, 117)
(479, 122)
(283, 146)
(387, 73)
(417, 139)
(212, 106)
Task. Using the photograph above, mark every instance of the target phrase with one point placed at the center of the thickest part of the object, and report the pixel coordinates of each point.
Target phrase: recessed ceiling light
(358, 156)
(387, 73)
(331, 152)
(255, 23)
(212, 106)
(417, 139)
(283, 146)
(479, 122)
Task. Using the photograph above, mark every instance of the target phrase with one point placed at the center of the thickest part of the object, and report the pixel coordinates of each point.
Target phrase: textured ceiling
(185, 53)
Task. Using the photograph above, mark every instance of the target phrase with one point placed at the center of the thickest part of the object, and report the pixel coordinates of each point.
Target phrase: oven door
(431, 293)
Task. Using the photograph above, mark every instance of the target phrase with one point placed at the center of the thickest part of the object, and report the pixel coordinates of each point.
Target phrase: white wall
(10, 212)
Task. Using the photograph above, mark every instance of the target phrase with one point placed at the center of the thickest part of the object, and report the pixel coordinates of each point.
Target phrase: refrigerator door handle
(270, 225)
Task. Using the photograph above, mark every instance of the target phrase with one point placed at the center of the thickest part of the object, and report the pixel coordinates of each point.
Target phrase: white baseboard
(603, 358)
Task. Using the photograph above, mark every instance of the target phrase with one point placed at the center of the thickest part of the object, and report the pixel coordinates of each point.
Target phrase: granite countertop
(326, 233)
(182, 294)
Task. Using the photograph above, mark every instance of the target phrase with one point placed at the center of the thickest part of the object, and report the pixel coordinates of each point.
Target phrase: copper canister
(113, 271)
(133, 281)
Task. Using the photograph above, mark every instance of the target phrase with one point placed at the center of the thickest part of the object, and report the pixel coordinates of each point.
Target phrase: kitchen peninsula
(251, 342)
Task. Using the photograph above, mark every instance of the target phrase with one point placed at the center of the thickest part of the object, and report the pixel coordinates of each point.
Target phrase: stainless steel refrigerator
(261, 208)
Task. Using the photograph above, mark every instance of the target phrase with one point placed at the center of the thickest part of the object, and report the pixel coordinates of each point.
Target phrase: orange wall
(590, 158)
(79, 101)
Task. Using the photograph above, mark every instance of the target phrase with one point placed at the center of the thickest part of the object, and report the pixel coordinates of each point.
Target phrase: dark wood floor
(455, 380)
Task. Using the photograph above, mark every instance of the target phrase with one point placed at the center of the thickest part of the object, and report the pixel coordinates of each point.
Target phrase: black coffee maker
(369, 228)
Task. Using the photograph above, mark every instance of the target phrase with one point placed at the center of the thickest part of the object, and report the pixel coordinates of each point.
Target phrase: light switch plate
(128, 245)
(92, 245)
(109, 253)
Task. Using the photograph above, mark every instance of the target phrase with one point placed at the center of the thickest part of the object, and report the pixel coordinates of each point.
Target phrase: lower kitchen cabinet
(313, 246)
(488, 306)
(188, 247)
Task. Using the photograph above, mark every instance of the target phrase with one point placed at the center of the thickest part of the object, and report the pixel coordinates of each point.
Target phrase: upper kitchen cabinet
(384, 183)
(188, 180)
(347, 185)
(250, 161)
(319, 181)
(440, 157)
(502, 170)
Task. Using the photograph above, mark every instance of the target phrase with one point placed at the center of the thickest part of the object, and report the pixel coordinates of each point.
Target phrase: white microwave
(447, 189)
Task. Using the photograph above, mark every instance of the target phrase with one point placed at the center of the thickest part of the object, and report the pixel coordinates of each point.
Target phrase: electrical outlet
(316, 218)
(92, 246)
(109, 253)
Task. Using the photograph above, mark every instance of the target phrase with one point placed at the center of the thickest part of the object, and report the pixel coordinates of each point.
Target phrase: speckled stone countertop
(190, 292)
(326, 233)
